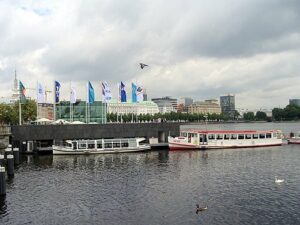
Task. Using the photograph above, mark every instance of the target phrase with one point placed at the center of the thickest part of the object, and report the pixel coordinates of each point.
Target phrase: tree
(249, 116)
(278, 114)
(261, 115)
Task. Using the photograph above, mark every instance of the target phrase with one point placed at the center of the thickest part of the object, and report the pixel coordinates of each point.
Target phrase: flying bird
(143, 65)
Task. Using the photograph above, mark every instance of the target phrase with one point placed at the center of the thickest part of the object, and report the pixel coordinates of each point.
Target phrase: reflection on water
(158, 187)
(3, 206)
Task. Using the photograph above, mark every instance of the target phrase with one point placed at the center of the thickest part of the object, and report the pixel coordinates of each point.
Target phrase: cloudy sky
(196, 48)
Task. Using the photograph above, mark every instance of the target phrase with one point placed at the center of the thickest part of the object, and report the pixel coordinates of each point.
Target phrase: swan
(278, 180)
(199, 209)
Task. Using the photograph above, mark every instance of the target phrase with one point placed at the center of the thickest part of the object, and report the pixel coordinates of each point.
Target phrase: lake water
(160, 187)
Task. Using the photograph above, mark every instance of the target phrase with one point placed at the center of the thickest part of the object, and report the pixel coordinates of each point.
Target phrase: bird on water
(143, 65)
(278, 181)
(200, 209)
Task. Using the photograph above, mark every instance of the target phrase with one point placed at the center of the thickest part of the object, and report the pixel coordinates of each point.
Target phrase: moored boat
(100, 146)
(200, 139)
(294, 138)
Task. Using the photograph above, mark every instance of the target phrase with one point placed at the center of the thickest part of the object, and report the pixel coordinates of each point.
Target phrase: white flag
(139, 94)
(40, 93)
(106, 93)
(73, 97)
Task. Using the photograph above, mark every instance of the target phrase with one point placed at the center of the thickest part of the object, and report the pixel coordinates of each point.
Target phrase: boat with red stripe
(213, 139)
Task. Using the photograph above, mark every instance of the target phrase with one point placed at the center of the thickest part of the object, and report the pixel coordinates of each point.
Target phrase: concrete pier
(27, 137)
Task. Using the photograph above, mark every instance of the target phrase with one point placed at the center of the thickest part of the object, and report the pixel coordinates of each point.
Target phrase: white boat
(100, 146)
(200, 139)
(294, 138)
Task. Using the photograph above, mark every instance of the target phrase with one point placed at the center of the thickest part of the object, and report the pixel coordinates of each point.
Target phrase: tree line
(9, 114)
(290, 112)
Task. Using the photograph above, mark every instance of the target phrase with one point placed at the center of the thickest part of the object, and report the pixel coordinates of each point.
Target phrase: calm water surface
(159, 187)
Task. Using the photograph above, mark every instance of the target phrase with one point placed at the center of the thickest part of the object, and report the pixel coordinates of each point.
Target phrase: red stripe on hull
(174, 148)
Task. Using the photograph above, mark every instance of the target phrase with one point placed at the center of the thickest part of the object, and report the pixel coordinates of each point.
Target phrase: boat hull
(183, 147)
(293, 141)
(65, 151)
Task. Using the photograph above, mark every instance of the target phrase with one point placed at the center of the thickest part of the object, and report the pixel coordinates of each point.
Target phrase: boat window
(183, 134)
(268, 135)
(255, 136)
(107, 145)
(261, 136)
(233, 136)
(82, 145)
(226, 136)
(219, 136)
(116, 144)
(189, 137)
(74, 145)
(99, 145)
(124, 144)
(91, 146)
(241, 136)
(248, 136)
(211, 137)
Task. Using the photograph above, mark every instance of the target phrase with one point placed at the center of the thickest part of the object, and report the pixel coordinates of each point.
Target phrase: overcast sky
(196, 48)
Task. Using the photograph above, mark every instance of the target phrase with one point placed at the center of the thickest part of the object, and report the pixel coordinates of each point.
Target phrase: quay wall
(5, 132)
(24, 133)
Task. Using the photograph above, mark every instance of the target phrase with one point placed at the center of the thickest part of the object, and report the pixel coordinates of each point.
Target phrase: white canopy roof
(60, 121)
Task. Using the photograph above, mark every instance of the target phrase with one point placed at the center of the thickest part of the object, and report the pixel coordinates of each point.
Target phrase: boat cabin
(205, 137)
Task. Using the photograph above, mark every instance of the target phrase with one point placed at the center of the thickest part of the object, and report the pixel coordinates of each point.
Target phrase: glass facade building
(227, 103)
(295, 102)
(93, 113)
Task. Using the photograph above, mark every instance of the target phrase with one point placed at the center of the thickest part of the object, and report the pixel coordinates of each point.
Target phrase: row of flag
(136, 94)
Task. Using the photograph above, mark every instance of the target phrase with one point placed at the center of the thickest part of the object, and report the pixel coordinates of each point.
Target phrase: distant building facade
(145, 107)
(184, 103)
(145, 96)
(227, 103)
(45, 110)
(294, 101)
(166, 104)
(206, 107)
(94, 113)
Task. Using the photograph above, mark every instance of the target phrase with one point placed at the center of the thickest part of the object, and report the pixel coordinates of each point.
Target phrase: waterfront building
(145, 96)
(206, 107)
(45, 110)
(96, 112)
(227, 103)
(295, 101)
(166, 104)
(184, 103)
(145, 107)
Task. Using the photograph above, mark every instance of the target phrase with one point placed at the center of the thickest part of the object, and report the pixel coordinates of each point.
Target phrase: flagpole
(37, 103)
(20, 112)
(54, 103)
(70, 102)
(86, 109)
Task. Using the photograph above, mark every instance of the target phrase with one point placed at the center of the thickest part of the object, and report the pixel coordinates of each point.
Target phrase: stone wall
(5, 132)
(94, 131)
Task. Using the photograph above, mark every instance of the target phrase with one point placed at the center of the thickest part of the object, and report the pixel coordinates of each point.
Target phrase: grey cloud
(245, 30)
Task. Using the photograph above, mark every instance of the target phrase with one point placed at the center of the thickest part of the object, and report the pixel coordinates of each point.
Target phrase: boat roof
(230, 131)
